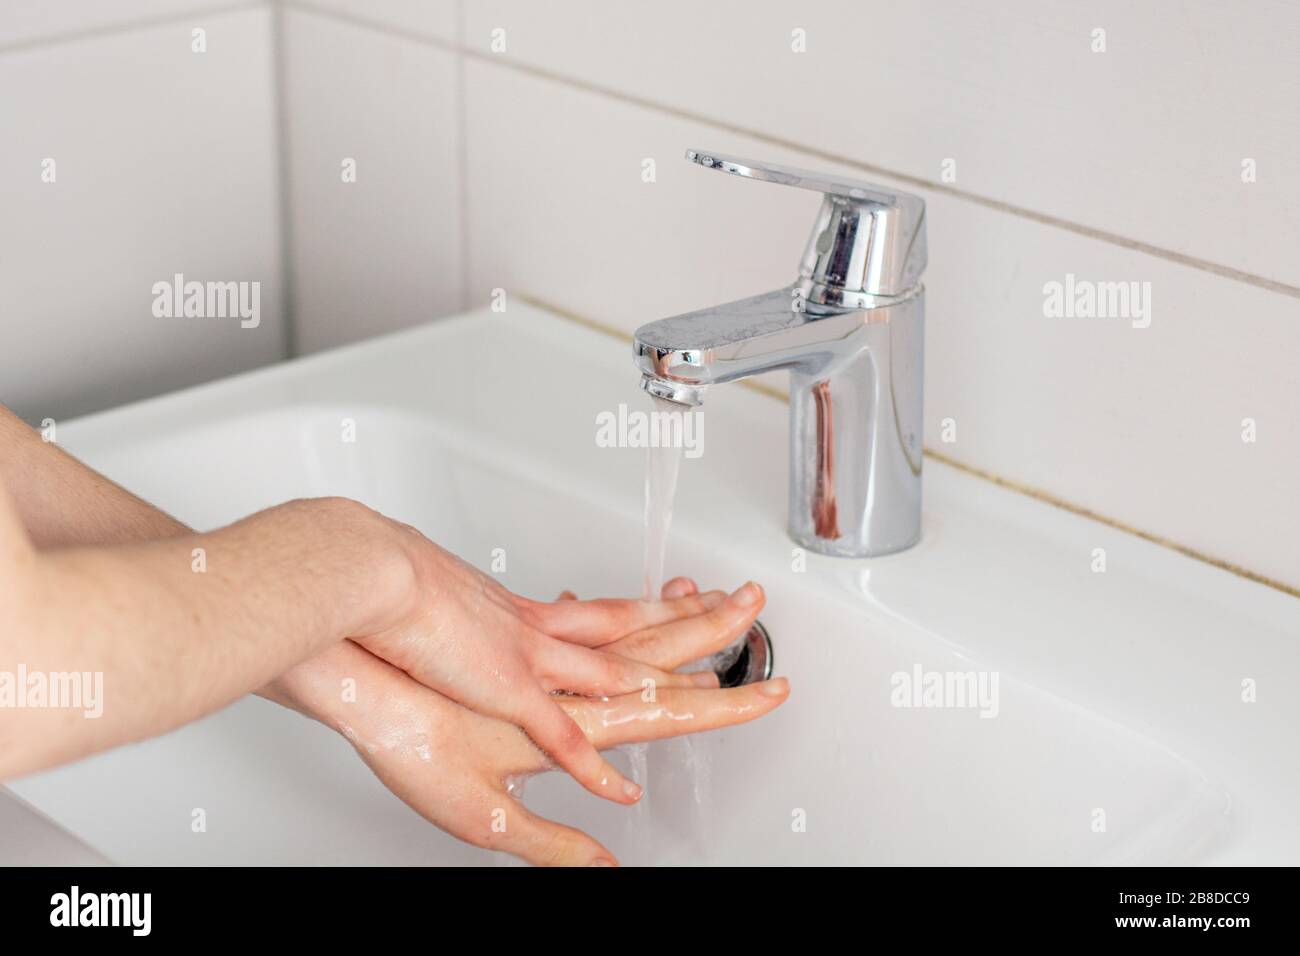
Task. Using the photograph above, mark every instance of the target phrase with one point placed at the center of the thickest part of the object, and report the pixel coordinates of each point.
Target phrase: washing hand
(182, 623)
(453, 766)
(462, 634)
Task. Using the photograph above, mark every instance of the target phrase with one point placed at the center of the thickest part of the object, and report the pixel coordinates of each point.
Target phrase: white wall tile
(25, 21)
(1140, 425)
(383, 252)
(1145, 140)
(435, 18)
(165, 163)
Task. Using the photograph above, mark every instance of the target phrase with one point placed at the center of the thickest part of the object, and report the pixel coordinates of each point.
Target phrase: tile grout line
(462, 157)
(1010, 484)
(130, 26)
(1056, 501)
(997, 205)
(284, 186)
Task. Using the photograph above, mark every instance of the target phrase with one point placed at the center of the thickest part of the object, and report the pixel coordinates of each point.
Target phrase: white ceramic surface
(1011, 95)
(32, 839)
(361, 250)
(1097, 412)
(1119, 691)
(164, 163)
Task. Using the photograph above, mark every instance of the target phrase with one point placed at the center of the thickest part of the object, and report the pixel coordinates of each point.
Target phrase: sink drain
(746, 660)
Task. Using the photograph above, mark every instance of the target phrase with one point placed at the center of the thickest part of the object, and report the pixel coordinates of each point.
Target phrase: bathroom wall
(1054, 142)
(374, 216)
(127, 156)
(432, 152)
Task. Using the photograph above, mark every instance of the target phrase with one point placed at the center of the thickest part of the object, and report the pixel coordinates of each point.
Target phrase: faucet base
(856, 437)
(833, 548)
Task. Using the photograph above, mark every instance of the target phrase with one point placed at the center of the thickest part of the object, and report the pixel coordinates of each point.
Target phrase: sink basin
(1120, 733)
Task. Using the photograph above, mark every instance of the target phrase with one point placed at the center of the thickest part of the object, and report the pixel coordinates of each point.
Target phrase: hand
(464, 635)
(453, 765)
(290, 583)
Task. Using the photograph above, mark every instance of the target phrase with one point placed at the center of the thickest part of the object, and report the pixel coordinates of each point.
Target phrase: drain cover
(746, 660)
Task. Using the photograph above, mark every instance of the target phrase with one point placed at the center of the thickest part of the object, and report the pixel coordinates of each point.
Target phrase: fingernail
(631, 790)
(747, 594)
(712, 599)
(777, 687)
(677, 587)
(602, 861)
(704, 679)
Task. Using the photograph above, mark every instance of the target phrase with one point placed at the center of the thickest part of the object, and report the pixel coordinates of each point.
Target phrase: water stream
(663, 466)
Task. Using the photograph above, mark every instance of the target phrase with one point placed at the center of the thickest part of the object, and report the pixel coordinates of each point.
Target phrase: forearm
(182, 626)
(63, 503)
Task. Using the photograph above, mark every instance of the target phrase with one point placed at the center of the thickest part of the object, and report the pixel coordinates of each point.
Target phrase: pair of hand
(456, 677)
(456, 694)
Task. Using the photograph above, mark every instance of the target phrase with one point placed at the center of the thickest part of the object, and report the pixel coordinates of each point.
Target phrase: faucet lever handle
(868, 240)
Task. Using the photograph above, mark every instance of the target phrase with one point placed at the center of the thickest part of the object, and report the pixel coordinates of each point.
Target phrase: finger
(543, 842)
(671, 645)
(595, 673)
(598, 622)
(674, 712)
(678, 587)
(564, 742)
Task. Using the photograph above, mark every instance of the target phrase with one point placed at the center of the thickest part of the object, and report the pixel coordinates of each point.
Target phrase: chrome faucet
(850, 331)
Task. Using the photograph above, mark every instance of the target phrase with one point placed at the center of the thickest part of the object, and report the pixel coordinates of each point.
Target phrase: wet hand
(455, 766)
(462, 634)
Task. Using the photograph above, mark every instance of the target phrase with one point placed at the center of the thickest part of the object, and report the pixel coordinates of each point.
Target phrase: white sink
(1119, 691)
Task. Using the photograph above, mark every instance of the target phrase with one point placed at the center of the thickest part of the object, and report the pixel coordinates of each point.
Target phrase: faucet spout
(769, 332)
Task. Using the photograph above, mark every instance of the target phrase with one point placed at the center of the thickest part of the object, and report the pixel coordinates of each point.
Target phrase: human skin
(455, 767)
(272, 613)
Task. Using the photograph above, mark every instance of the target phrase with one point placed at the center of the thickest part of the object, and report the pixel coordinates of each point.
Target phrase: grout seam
(1010, 484)
(462, 157)
(997, 205)
(284, 187)
(129, 26)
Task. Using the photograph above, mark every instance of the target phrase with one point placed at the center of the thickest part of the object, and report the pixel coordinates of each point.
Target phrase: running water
(663, 465)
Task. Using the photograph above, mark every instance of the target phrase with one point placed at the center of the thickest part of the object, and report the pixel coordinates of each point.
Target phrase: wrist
(339, 687)
(372, 557)
(316, 687)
